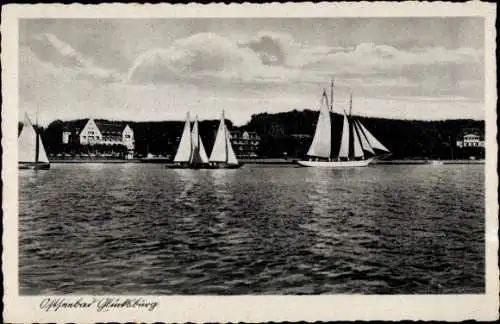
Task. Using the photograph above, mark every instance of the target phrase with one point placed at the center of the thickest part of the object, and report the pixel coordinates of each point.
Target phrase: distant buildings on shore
(93, 132)
(470, 138)
(245, 144)
(97, 132)
(287, 135)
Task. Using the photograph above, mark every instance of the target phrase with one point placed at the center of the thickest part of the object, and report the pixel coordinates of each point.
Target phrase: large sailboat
(32, 153)
(358, 147)
(191, 152)
(222, 156)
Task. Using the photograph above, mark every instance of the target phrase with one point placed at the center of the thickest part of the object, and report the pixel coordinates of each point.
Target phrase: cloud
(282, 49)
(48, 48)
(272, 48)
(270, 59)
(273, 58)
(369, 58)
(204, 54)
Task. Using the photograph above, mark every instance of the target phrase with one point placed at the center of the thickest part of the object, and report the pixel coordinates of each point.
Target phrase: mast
(191, 142)
(350, 104)
(225, 137)
(37, 146)
(331, 97)
(325, 97)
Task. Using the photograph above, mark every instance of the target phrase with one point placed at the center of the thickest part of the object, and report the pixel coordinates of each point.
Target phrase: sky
(159, 69)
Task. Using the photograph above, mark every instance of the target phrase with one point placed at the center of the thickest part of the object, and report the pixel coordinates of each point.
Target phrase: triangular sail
(198, 153)
(322, 141)
(358, 151)
(364, 142)
(28, 142)
(344, 142)
(223, 150)
(219, 151)
(42, 155)
(195, 144)
(184, 151)
(231, 157)
(203, 153)
(374, 143)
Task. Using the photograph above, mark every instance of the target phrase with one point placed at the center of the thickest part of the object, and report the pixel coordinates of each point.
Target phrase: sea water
(144, 229)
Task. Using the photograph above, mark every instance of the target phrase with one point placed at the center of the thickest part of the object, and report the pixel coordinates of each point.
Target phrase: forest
(404, 138)
(290, 133)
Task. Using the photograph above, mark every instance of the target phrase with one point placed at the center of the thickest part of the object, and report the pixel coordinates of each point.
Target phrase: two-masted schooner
(191, 152)
(32, 153)
(358, 147)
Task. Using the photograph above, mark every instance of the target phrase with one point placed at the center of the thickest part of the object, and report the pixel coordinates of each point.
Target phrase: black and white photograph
(258, 156)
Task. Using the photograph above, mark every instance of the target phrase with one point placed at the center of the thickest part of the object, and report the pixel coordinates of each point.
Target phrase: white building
(471, 140)
(245, 144)
(96, 132)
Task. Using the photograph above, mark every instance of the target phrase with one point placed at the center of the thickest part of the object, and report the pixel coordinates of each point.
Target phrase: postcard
(249, 162)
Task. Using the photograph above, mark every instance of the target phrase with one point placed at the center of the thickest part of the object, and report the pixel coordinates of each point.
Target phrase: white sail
(223, 150)
(27, 142)
(364, 142)
(372, 140)
(358, 151)
(184, 150)
(322, 141)
(231, 157)
(219, 151)
(198, 153)
(344, 142)
(42, 155)
(203, 153)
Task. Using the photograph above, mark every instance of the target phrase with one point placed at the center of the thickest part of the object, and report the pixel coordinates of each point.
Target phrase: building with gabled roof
(99, 132)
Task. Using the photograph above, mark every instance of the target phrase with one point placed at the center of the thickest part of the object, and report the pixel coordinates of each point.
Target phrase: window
(127, 136)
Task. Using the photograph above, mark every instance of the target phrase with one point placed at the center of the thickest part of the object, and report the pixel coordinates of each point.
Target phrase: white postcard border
(251, 308)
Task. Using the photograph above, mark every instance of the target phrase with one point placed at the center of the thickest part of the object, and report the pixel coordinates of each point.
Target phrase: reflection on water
(145, 229)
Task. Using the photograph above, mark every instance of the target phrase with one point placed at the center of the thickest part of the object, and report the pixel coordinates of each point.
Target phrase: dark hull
(204, 166)
(33, 166)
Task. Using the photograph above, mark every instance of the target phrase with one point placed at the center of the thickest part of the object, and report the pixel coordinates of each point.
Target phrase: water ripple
(144, 229)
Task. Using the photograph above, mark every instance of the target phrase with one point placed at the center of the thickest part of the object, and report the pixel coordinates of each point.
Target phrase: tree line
(404, 138)
(290, 134)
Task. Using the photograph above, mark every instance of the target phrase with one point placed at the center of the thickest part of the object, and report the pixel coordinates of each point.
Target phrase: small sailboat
(222, 156)
(358, 147)
(191, 152)
(32, 153)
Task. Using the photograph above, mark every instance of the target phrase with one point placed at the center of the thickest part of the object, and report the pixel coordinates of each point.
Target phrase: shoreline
(270, 161)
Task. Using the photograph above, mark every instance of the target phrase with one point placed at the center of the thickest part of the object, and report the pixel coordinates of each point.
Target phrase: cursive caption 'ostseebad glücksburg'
(99, 304)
